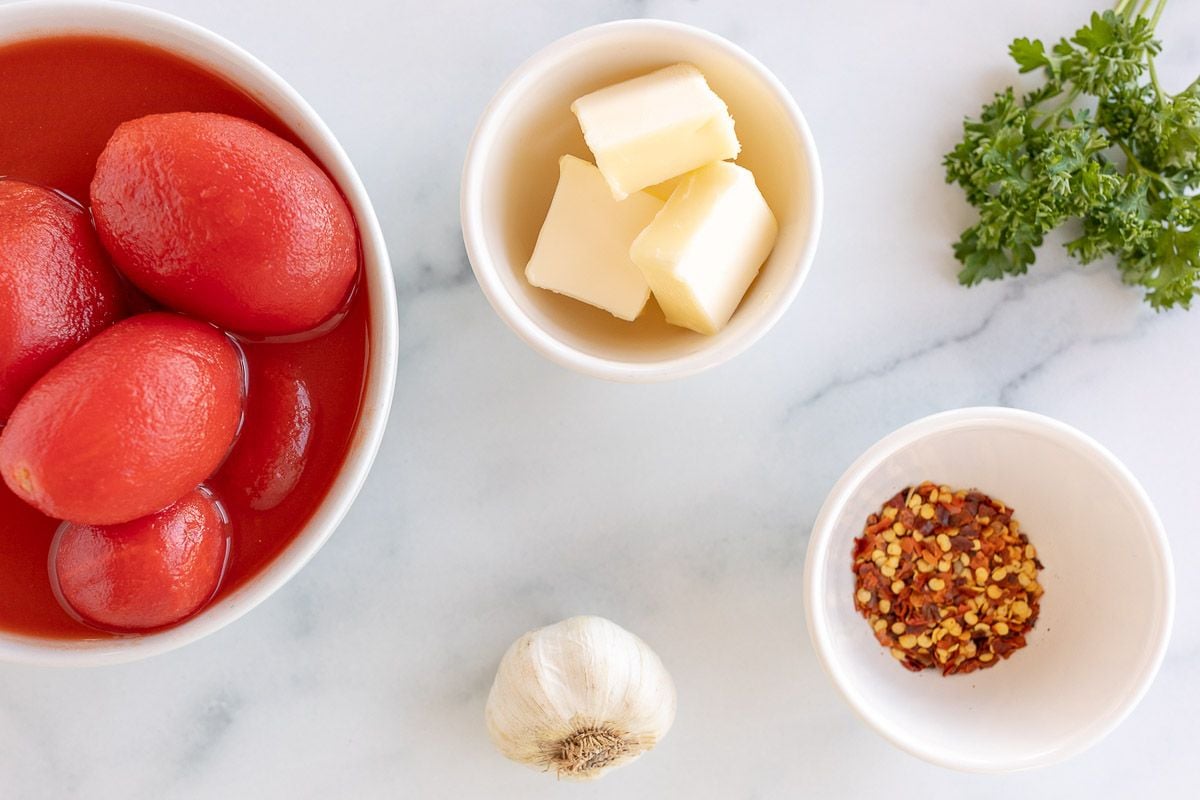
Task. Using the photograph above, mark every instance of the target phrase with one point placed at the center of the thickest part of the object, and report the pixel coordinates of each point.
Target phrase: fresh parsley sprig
(1100, 142)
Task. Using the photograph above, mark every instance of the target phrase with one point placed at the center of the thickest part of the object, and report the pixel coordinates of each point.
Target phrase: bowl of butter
(641, 200)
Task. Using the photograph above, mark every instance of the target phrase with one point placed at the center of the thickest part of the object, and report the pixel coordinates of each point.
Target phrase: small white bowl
(1105, 616)
(511, 172)
(30, 20)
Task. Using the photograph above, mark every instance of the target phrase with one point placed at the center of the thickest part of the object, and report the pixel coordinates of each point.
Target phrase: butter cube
(664, 190)
(702, 251)
(583, 248)
(649, 129)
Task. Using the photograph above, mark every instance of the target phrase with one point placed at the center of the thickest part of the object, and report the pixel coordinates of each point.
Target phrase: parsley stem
(1141, 12)
(1053, 114)
(1148, 173)
(1158, 10)
(1158, 90)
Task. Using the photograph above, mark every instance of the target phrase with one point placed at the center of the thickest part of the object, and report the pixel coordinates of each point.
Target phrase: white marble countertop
(510, 493)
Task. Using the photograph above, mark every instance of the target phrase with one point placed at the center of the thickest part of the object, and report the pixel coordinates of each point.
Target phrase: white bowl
(37, 19)
(511, 172)
(1105, 616)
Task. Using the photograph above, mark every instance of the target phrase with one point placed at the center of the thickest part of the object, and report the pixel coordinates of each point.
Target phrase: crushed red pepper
(947, 579)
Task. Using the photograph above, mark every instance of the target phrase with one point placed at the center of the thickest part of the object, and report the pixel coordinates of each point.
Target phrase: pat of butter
(703, 250)
(583, 248)
(664, 190)
(653, 128)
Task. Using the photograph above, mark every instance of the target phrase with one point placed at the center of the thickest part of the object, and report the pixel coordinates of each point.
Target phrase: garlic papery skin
(579, 698)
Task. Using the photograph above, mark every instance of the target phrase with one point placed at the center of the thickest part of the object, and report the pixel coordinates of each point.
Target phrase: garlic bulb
(578, 698)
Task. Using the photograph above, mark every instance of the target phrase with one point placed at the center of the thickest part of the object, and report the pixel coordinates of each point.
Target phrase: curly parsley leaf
(1029, 55)
(1128, 172)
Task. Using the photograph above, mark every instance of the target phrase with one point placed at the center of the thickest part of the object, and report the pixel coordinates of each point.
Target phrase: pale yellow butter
(653, 128)
(663, 190)
(703, 250)
(582, 250)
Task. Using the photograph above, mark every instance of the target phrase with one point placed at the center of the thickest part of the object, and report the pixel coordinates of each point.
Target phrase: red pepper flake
(947, 579)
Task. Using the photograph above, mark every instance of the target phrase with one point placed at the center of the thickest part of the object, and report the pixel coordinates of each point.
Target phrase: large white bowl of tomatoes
(197, 332)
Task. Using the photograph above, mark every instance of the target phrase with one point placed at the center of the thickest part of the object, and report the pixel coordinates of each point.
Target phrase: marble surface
(510, 493)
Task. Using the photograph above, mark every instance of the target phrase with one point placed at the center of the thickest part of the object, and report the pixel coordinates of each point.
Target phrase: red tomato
(128, 423)
(57, 289)
(272, 450)
(143, 574)
(217, 217)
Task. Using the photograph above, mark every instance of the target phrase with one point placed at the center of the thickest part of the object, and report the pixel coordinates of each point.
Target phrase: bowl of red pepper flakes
(1029, 593)
(946, 579)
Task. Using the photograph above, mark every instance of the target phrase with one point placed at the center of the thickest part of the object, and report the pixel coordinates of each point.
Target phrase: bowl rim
(485, 267)
(56, 17)
(847, 485)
